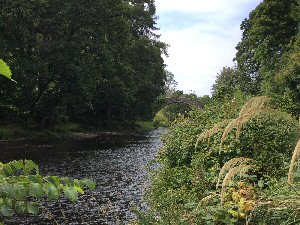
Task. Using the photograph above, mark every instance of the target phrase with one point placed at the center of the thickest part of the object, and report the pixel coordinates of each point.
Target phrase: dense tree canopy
(267, 56)
(266, 35)
(92, 61)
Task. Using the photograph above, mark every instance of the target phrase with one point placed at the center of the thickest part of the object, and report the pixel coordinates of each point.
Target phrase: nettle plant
(23, 189)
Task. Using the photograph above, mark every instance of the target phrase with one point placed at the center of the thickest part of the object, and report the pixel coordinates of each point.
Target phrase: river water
(117, 164)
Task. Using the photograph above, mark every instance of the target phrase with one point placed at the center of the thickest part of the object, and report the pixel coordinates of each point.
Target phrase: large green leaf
(6, 210)
(90, 184)
(33, 208)
(52, 192)
(18, 165)
(19, 191)
(71, 193)
(36, 190)
(30, 166)
(20, 207)
(4, 69)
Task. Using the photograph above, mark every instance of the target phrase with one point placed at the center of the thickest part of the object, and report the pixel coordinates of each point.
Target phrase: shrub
(184, 189)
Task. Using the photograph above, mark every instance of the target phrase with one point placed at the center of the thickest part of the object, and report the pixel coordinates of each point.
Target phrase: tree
(266, 35)
(171, 83)
(228, 81)
(70, 56)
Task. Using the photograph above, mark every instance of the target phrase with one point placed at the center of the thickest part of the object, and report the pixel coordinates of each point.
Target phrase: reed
(207, 199)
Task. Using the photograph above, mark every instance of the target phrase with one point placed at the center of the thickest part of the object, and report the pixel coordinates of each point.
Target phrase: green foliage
(183, 190)
(266, 34)
(145, 126)
(196, 148)
(269, 139)
(96, 68)
(230, 80)
(23, 189)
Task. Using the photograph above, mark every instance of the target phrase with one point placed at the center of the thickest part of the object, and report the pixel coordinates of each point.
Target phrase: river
(116, 163)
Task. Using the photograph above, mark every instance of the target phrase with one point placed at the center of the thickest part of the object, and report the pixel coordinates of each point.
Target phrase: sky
(202, 35)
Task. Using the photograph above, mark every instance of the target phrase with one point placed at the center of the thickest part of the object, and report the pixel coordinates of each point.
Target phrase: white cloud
(203, 6)
(199, 49)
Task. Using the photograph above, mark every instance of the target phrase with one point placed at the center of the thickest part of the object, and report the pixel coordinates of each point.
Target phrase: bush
(184, 189)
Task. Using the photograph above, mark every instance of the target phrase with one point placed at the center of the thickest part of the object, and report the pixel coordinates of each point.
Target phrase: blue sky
(202, 35)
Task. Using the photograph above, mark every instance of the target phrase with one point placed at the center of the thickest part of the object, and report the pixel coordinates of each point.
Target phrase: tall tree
(79, 59)
(266, 34)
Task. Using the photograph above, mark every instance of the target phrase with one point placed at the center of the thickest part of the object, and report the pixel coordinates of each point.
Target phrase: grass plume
(252, 107)
(295, 157)
(229, 165)
(208, 133)
(240, 169)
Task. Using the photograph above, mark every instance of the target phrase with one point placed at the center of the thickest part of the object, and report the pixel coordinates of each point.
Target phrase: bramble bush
(223, 165)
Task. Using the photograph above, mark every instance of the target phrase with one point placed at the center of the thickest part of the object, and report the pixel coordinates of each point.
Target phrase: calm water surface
(116, 163)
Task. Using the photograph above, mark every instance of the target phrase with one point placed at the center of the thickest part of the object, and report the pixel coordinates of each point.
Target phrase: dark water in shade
(115, 163)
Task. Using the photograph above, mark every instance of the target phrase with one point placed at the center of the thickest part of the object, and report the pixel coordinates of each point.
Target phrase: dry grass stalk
(230, 164)
(241, 169)
(254, 106)
(245, 118)
(208, 133)
(295, 157)
(232, 124)
(254, 103)
(206, 199)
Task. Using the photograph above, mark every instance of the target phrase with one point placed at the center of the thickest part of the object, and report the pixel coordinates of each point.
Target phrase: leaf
(20, 207)
(36, 178)
(29, 166)
(79, 183)
(7, 170)
(19, 191)
(18, 165)
(71, 194)
(90, 184)
(36, 190)
(4, 69)
(54, 180)
(68, 181)
(5, 210)
(33, 208)
(52, 192)
(79, 190)
(260, 183)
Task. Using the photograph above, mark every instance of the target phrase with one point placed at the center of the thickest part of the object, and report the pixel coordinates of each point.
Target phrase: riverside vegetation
(234, 162)
(223, 165)
(237, 160)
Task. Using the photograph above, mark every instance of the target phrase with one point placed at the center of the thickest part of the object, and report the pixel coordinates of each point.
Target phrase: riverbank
(17, 131)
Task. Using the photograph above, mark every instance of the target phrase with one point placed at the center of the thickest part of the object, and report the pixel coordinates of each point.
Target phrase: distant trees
(91, 61)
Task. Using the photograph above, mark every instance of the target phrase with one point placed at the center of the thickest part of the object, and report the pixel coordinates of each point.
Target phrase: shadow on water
(115, 162)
